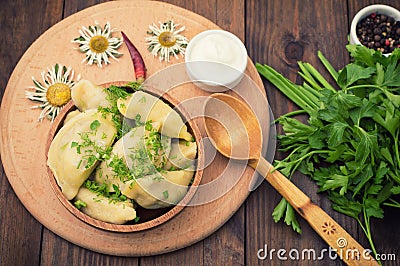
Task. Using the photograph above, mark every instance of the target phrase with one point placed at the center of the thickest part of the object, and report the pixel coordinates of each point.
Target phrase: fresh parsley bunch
(350, 144)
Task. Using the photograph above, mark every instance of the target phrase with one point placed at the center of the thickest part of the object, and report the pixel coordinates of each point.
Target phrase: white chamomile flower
(98, 44)
(166, 40)
(54, 92)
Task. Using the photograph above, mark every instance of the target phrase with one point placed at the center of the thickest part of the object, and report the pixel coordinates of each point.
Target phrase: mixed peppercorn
(379, 32)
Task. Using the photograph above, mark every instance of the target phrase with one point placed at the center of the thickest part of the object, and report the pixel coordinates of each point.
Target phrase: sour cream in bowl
(216, 60)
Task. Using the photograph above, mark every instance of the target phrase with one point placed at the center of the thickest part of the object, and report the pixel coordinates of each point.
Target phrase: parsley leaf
(392, 74)
(113, 94)
(102, 190)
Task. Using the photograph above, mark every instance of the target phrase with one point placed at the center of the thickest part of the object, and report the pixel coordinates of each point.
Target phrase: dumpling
(182, 155)
(151, 108)
(68, 155)
(87, 95)
(101, 208)
(71, 115)
(142, 150)
(159, 190)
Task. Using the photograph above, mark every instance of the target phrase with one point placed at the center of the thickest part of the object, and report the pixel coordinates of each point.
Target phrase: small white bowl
(215, 60)
(379, 9)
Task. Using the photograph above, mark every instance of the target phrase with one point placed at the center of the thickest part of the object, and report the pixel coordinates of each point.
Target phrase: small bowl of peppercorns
(377, 27)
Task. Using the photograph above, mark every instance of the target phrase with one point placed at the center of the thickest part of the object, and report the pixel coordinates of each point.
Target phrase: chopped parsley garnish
(166, 194)
(350, 143)
(113, 94)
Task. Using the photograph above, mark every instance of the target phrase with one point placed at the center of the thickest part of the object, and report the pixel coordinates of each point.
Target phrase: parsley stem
(361, 225)
(363, 87)
(291, 90)
(309, 79)
(313, 91)
(328, 66)
(394, 204)
(368, 226)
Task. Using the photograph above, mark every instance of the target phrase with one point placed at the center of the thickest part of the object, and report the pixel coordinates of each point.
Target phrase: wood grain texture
(385, 232)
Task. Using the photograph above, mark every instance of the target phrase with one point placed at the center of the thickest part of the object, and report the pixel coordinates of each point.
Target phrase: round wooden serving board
(23, 138)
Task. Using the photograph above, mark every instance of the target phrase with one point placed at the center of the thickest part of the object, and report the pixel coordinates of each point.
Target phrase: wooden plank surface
(57, 218)
(275, 32)
(20, 233)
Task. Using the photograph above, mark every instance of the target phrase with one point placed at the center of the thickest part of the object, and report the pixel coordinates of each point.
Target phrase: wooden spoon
(235, 132)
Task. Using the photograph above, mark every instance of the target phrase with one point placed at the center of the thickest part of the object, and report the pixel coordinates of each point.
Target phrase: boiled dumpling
(182, 155)
(101, 208)
(149, 107)
(87, 95)
(142, 151)
(159, 190)
(71, 115)
(67, 160)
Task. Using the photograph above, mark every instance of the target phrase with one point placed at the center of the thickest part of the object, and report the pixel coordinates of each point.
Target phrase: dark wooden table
(275, 32)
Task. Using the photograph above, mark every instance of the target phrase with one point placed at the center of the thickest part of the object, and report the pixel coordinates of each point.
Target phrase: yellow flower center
(98, 44)
(58, 94)
(167, 39)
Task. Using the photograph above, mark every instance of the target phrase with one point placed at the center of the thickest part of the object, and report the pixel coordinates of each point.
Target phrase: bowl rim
(124, 228)
(240, 71)
(362, 13)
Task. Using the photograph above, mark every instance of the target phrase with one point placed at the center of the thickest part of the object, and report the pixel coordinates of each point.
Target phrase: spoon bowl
(235, 132)
(229, 121)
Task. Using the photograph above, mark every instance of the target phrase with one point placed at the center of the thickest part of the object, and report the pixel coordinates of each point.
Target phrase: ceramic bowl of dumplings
(151, 212)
